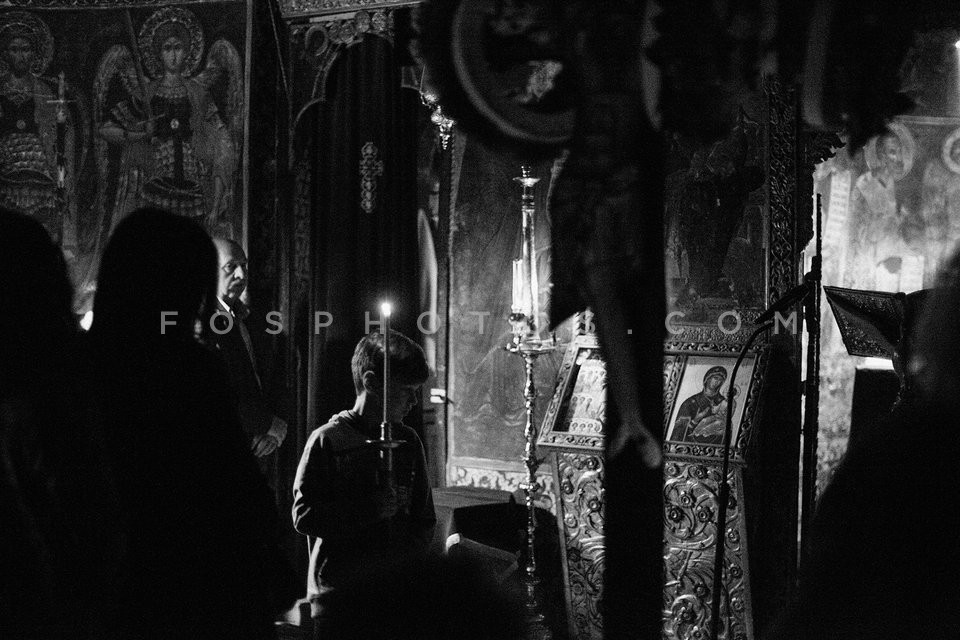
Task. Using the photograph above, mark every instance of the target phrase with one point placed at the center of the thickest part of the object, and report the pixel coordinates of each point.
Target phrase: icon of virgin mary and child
(702, 417)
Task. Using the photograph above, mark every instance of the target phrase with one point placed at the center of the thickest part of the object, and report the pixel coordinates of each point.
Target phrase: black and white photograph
(479, 319)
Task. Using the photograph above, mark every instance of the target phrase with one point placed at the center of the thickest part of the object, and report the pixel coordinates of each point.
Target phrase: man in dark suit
(264, 429)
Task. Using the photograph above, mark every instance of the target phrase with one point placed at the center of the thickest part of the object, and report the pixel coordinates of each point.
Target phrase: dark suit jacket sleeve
(255, 416)
(255, 413)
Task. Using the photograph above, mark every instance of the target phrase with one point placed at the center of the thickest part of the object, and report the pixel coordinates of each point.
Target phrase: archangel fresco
(108, 108)
(163, 140)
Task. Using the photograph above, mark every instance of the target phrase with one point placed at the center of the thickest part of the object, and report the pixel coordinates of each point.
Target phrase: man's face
(233, 270)
(891, 153)
(19, 55)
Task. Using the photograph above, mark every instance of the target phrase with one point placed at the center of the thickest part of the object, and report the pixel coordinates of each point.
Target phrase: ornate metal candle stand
(527, 344)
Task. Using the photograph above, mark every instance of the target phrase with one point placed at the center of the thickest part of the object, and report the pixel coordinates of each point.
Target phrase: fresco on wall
(126, 104)
(891, 215)
(891, 218)
(38, 127)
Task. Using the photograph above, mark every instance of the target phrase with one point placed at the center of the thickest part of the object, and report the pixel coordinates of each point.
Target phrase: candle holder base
(527, 343)
(535, 627)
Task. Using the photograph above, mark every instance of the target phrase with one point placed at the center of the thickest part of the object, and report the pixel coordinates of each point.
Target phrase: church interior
(656, 304)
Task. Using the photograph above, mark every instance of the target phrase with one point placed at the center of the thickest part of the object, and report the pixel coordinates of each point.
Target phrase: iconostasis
(734, 234)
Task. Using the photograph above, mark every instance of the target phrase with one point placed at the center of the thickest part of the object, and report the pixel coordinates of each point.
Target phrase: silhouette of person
(202, 528)
(420, 597)
(59, 528)
(880, 562)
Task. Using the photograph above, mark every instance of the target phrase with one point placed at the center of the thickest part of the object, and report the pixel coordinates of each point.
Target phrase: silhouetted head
(157, 279)
(428, 598)
(35, 315)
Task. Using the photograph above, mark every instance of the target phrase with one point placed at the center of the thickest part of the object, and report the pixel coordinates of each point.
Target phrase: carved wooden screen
(744, 189)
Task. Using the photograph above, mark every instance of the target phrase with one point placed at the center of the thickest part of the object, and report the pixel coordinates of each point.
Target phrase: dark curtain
(360, 255)
(267, 224)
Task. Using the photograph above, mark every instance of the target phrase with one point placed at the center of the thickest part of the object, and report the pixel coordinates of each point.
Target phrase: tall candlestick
(527, 343)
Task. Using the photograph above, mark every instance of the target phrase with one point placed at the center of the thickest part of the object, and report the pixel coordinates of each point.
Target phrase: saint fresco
(891, 219)
(37, 129)
(104, 111)
(162, 140)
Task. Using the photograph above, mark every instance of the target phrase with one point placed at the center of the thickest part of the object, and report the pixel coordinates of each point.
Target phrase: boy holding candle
(362, 503)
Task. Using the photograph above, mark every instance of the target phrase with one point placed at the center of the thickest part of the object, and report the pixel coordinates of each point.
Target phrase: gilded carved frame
(782, 235)
(674, 368)
(554, 432)
(692, 471)
(691, 487)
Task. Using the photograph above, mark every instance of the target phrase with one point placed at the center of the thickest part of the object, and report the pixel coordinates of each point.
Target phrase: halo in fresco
(155, 25)
(907, 144)
(945, 151)
(26, 25)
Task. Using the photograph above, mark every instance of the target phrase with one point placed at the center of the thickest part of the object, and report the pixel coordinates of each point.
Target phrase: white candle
(385, 310)
(518, 303)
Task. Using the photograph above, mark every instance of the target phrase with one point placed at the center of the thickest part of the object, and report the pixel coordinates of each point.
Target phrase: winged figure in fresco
(169, 136)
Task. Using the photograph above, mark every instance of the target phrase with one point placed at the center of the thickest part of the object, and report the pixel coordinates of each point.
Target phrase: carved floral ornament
(443, 124)
(95, 4)
(320, 41)
(327, 34)
(371, 168)
(319, 8)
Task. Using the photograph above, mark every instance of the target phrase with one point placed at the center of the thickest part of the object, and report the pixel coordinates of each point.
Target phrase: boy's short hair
(408, 364)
